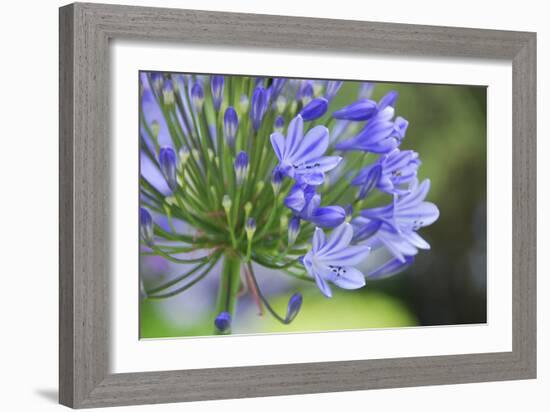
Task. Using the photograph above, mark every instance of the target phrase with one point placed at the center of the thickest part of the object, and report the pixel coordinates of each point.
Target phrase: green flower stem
(149, 131)
(302, 275)
(231, 228)
(235, 207)
(334, 195)
(189, 285)
(168, 213)
(152, 189)
(180, 278)
(263, 299)
(268, 264)
(174, 259)
(200, 242)
(229, 285)
(203, 149)
(186, 215)
(269, 222)
(174, 249)
(248, 250)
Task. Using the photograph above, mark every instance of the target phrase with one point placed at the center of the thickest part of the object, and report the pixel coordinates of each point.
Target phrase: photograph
(299, 205)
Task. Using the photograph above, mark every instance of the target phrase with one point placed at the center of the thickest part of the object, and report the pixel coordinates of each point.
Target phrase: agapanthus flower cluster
(273, 172)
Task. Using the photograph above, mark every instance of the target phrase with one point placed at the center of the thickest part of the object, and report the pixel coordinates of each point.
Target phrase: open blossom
(333, 260)
(252, 201)
(382, 133)
(392, 173)
(395, 226)
(302, 157)
(306, 204)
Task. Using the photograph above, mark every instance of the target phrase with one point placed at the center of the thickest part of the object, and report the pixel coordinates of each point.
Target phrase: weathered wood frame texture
(85, 32)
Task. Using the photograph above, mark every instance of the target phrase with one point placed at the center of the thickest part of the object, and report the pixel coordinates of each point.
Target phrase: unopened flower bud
(197, 96)
(168, 93)
(183, 154)
(293, 230)
(223, 321)
(155, 128)
(226, 203)
(216, 86)
(167, 162)
(241, 167)
(293, 307)
(243, 103)
(230, 126)
(250, 227)
(247, 208)
(314, 109)
(277, 180)
(146, 226)
(260, 186)
(280, 104)
(333, 86)
(258, 106)
(279, 124)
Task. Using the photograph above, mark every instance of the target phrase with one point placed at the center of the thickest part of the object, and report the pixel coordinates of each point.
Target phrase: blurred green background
(445, 286)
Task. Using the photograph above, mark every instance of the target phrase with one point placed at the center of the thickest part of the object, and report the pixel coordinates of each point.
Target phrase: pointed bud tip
(293, 307)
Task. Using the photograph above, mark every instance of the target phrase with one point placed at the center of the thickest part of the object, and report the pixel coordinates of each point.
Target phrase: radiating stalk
(229, 286)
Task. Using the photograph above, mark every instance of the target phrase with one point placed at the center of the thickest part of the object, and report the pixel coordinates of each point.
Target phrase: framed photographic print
(259, 205)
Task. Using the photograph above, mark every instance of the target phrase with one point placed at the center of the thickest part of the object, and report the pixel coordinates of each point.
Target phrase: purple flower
(168, 92)
(157, 80)
(390, 173)
(333, 260)
(223, 321)
(389, 99)
(216, 86)
(302, 157)
(197, 96)
(314, 109)
(293, 229)
(367, 179)
(305, 91)
(258, 106)
(279, 124)
(293, 307)
(333, 86)
(241, 167)
(168, 167)
(230, 125)
(277, 86)
(146, 226)
(395, 226)
(305, 203)
(390, 268)
(277, 179)
(360, 110)
(380, 135)
(250, 227)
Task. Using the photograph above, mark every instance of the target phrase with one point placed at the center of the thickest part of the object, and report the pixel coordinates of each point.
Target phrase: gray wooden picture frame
(85, 32)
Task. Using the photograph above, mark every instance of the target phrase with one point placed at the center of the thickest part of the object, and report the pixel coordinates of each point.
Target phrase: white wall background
(28, 194)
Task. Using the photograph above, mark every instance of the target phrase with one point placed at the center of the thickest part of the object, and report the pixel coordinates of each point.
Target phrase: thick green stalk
(229, 285)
